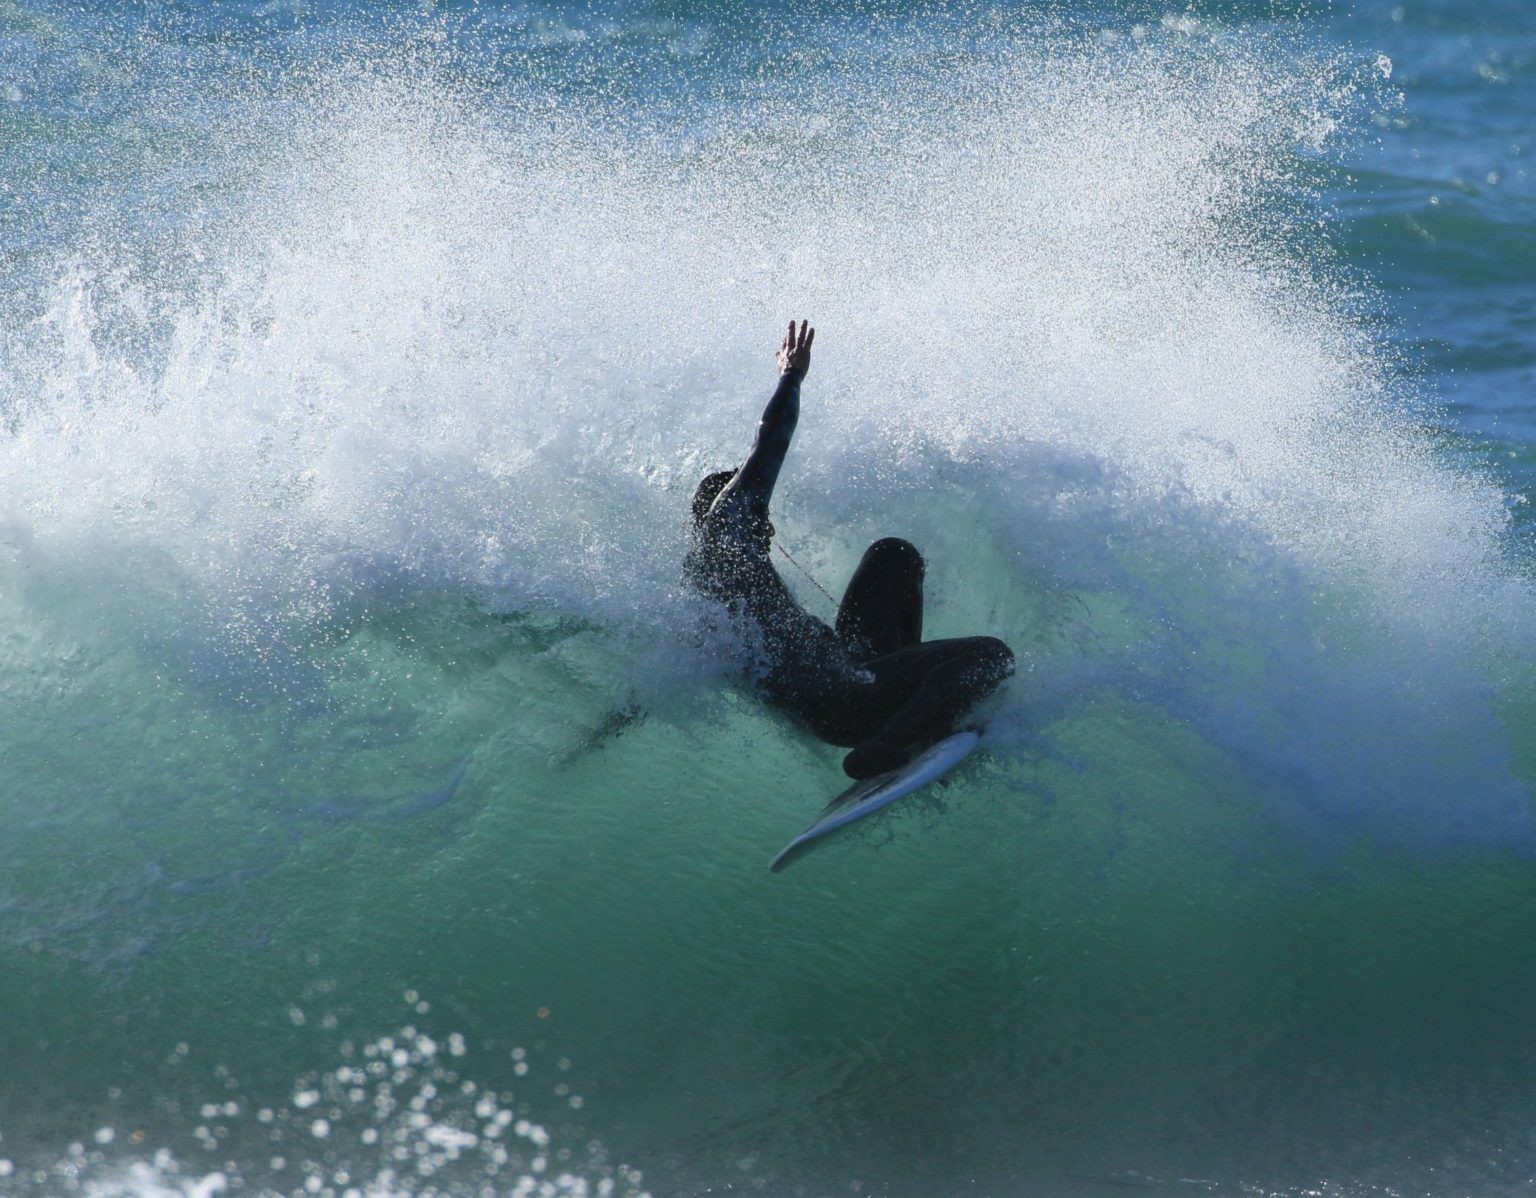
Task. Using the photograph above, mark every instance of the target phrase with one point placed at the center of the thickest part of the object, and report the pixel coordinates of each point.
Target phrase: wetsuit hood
(704, 496)
(708, 490)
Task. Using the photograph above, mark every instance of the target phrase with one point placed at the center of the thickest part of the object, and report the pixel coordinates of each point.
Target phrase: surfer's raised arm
(753, 485)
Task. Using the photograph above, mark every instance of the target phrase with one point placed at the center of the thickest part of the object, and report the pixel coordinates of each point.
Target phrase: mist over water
(350, 418)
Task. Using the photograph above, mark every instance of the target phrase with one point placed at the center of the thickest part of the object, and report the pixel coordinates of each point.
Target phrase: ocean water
(375, 819)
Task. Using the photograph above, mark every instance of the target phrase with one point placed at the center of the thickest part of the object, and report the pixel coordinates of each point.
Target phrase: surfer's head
(705, 494)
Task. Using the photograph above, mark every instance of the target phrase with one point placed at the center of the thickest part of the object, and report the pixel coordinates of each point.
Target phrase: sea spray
(471, 344)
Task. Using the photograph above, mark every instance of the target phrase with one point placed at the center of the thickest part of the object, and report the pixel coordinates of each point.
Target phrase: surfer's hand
(795, 353)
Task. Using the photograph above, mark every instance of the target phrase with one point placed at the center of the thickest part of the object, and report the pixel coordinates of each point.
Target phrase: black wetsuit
(870, 680)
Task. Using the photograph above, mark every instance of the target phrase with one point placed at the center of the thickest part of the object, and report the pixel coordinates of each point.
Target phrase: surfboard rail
(871, 794)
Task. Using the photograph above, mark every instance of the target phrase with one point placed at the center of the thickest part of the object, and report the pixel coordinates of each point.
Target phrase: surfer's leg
(941, 681)
(882, 609)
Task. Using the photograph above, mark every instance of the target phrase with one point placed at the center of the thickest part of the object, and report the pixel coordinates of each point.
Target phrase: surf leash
(807, 573)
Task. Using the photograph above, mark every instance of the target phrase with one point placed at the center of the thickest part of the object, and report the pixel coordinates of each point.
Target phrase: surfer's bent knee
(996, 656)
(896, 549)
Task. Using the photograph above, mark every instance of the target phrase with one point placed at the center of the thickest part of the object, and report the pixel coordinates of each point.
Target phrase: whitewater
(377, 818)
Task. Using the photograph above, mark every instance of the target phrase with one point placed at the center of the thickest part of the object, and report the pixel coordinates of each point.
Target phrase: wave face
(351, 408)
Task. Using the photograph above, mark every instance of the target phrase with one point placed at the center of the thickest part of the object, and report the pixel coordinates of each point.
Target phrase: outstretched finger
(809, 337)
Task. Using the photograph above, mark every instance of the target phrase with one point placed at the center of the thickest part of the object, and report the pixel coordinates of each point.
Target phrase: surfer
(868, 682)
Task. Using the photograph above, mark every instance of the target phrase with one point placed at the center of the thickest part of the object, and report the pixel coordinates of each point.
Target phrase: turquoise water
(356, 367)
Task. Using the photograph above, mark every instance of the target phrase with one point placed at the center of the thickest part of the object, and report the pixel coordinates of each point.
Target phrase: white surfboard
(867, 797)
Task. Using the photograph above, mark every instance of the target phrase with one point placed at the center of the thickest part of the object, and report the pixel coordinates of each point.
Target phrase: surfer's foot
(873, 758)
